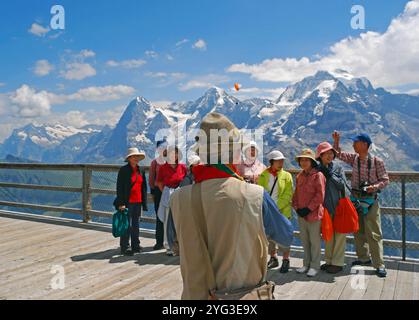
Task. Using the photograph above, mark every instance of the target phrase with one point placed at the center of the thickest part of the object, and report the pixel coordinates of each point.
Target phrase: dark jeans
(159, 224)
(134, 214)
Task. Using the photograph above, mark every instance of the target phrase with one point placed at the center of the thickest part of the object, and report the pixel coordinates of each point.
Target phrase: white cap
(275, 155)
(193, 159)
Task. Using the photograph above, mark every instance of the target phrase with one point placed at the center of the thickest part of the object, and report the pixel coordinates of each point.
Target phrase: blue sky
(111, 51)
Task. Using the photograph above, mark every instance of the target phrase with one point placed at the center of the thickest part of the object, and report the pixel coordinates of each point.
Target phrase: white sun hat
(134, 152)
(250, 144)
(275, 155)
(193, 159)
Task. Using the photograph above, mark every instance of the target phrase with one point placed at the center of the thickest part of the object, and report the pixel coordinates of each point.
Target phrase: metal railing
(93, 179)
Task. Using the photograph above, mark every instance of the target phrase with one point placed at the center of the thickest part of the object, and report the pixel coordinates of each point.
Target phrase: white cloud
(169, 57)
(43, 68)
(28, 103)
(38, 30)
(127, 64)
(200, 45)
(387, 59)
(206, 81)
(2, 84)
(165, 78)
(161, 104)
(4, 99)
(105, 93)
(263, 93)
(78, 118)
(75, 67)
(414, 92)
(181, 42)
(74, 118)
(86, 53)
(151, 54)
(176, 75)
(78, 71)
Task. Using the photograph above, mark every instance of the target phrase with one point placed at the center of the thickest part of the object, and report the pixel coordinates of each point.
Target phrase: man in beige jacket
(222, 222)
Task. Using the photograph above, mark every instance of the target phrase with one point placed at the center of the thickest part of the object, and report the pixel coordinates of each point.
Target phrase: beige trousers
(334, 253)
(311, 240)
(369, 238)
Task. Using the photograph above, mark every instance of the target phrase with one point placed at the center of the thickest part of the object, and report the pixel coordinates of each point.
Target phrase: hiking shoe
(285, 266)
(324, 266)
(273, 263)
(381, 272)
(138, 250)
(362, 263)
(334, 269)
(302, 270)
(127, 252)
(158, 247)
(312, 272)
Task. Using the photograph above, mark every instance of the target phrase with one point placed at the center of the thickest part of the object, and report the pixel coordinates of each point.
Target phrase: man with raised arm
(369, 177)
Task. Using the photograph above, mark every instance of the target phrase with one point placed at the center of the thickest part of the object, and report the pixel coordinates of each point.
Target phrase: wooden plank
(416, 282)
(102, 275)
(357, 284)
(389, 284)
(99, 275)
(404, 284)
(39, 265)
(147, 284)
(40, 279)
(336, 291)
(374, 289)
(163, 286)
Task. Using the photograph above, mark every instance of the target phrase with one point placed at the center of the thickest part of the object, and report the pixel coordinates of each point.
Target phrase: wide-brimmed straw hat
(193, 159)
(306, 153)
(134, 152)
(224, 150)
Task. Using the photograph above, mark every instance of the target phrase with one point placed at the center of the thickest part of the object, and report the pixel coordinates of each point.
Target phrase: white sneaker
(312, 272)
(302, 270)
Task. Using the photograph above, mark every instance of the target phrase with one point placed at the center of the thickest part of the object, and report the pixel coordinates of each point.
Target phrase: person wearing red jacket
(155, 190)
(308, 201)
(131, 193)
(169, 177)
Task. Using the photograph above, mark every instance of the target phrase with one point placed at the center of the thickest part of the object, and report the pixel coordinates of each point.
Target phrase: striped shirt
(378, 175)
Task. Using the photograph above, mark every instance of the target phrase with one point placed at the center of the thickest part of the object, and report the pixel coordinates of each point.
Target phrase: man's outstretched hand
(336, 140)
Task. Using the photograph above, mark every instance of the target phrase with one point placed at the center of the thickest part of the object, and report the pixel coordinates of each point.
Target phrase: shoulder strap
(201, 226)
(136, 179)
(273, 187)
(369, 170)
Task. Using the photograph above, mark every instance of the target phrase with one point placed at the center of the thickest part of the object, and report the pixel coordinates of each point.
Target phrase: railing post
(403, 181)
(86, 195)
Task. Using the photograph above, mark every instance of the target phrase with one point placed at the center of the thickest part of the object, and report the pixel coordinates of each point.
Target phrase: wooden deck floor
(29, 248)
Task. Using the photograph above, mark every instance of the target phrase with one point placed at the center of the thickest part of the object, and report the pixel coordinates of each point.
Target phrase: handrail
(87, 190)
